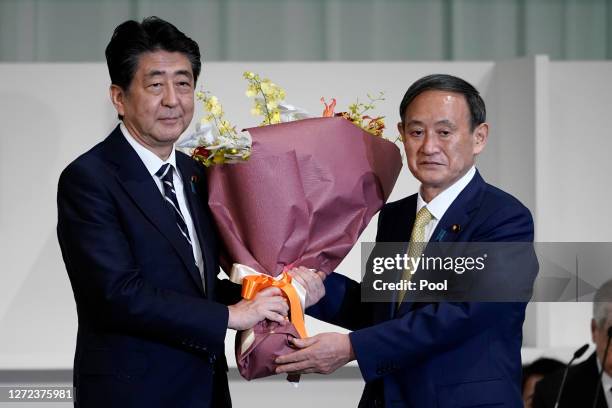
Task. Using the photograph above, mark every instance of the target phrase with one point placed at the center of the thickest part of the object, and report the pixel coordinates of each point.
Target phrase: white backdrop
(548, 142)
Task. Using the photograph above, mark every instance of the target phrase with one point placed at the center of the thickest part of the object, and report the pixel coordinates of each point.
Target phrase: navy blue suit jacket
(148, 335)
(444, 354)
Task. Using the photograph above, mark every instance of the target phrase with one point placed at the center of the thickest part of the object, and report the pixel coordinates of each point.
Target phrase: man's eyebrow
(183, 72)
(413, 122)
(154, 72)
(447, 122)
(157, 72)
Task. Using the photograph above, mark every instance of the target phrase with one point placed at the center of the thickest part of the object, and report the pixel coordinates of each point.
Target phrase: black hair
(543, 367)
(131, 39)
(443, 82)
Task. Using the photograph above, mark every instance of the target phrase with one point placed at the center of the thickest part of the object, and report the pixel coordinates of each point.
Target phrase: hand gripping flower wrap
(303, 198)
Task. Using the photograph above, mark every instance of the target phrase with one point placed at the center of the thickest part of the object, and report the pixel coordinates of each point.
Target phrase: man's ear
(594, 330)
(481, 136)
(117, 95)
(400, 128)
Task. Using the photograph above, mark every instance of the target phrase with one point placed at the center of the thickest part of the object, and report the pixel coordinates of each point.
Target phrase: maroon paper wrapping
(303, 198)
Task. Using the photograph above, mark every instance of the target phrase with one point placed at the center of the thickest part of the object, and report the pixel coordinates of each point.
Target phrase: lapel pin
(456, 228)
(194, 180)
(440, 236)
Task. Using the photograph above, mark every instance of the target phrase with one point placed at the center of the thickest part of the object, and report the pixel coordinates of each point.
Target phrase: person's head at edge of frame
(443, 128)
(153, 69)
(601, 323)
(533, 373)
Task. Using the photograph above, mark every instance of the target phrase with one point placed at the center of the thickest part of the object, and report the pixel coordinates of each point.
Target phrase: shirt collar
(606, 380)
(151, 161)
(438, 206)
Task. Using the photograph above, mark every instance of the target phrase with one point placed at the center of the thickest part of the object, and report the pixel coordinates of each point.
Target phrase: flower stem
(268, 116)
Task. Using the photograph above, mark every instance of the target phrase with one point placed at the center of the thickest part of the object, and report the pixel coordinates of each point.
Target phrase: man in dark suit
(430, 354)
(579, 390)
(582, 383)
(140, 246)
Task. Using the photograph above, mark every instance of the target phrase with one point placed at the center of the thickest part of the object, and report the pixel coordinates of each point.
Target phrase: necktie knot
(165, 172)
(423, 217)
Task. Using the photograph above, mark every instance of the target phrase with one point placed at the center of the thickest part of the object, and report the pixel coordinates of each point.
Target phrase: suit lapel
(460, 212)
(396, 227)
(190, 183)
(454, 221)
(398, 221)
(133, 176)
(587, 374)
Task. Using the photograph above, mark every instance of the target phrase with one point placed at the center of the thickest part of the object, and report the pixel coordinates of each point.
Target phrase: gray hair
(602, 303)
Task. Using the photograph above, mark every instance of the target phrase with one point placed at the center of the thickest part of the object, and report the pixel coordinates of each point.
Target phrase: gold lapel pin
(456, 228)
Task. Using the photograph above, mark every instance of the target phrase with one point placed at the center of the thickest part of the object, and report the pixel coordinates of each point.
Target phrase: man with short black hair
(139, 242)
(534, 372)
(431, 354)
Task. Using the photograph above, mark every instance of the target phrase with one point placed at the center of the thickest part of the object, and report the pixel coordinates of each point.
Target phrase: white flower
(205, 135)
(289, 113)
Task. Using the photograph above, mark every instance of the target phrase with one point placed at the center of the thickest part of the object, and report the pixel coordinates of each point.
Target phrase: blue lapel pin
(441, 235)
(194, 180)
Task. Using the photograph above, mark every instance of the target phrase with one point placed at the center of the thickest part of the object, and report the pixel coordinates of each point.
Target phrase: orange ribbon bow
(253, 284)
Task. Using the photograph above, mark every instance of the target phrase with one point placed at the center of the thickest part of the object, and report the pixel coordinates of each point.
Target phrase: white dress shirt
(153, 163)
(438, 206)
(606, 382)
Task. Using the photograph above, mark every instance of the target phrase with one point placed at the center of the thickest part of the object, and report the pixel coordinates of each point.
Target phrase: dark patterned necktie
(165, 175)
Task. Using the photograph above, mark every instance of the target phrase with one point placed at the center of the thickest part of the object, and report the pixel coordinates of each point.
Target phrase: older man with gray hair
(582, 384)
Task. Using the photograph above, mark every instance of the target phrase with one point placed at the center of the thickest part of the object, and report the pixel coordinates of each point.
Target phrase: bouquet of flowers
(299, 195)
